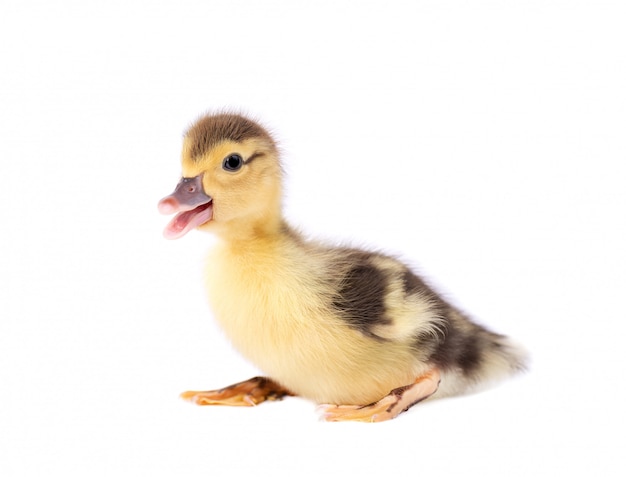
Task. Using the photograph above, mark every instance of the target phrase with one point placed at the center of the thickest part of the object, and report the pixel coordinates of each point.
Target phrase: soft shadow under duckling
(353, 330)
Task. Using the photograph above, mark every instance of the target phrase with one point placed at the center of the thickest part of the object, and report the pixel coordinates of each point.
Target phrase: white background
(483, 141)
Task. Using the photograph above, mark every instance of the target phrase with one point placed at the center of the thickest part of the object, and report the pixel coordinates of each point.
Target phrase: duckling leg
(397, 401)
(246, 393)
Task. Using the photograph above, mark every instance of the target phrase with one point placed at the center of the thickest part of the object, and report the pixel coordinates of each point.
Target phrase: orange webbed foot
(246, 393)
(390, 406)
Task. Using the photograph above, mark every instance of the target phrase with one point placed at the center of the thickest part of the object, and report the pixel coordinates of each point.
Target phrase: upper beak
(188, 195)
(194, 207)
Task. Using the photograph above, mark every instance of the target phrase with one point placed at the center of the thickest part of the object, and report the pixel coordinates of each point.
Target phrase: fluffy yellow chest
(269, 306)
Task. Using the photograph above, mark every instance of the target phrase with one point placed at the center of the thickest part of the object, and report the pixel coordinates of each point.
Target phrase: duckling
(356, 331)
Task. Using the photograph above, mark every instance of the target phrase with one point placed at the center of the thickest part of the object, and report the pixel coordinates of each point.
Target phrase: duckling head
(231, 180)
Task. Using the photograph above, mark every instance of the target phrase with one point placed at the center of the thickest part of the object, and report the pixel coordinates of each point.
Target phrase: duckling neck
(245, 234)
(258, 251)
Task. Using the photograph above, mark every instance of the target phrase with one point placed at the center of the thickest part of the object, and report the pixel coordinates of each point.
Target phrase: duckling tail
(472, 357)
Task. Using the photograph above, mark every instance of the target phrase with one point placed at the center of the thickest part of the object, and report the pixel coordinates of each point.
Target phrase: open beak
(190, 204)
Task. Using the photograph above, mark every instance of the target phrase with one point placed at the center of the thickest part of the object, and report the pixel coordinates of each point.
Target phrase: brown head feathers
(212, 129)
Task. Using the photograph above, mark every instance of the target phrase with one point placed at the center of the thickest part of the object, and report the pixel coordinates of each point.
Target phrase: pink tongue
(188, 220)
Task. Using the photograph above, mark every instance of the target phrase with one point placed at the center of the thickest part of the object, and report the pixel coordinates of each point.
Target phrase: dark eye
(232, 163)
